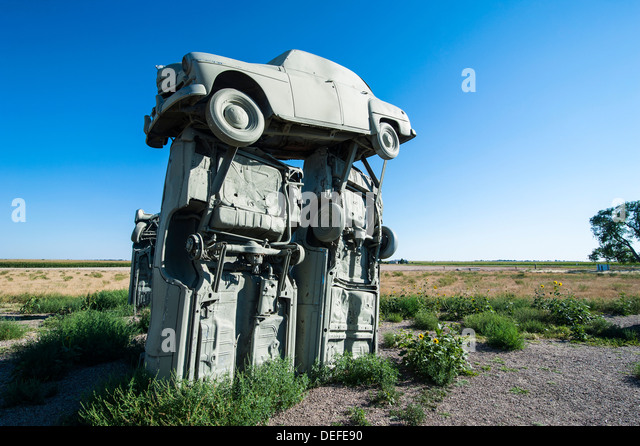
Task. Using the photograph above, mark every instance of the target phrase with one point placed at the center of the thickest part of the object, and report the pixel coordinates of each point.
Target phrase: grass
(518, 390)
(558, 315)
(425, 320)
(358, 417)
(501, 331)
(368, 370)
(636, 370)
(27, 392)
(86, 337)
(122, 401)
(62, 304)
(250, 398)
(412, 415)
(10, 329)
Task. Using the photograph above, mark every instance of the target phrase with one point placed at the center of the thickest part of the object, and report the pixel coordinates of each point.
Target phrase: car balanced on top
(292, 105)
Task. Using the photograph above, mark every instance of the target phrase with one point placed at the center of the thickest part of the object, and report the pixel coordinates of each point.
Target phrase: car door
(354, 103)
(315, 99)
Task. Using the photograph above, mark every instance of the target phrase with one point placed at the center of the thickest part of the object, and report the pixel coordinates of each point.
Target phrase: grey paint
(233, 267)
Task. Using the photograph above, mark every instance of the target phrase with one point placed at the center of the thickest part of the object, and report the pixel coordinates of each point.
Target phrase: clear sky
(513, 170)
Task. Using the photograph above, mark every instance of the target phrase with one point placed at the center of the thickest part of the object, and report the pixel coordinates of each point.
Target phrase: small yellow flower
(436, 340)
(560, 283)
(555, 282)
(421, 336)
(541, 286)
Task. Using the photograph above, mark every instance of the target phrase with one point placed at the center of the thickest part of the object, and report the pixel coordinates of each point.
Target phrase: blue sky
(513, 170)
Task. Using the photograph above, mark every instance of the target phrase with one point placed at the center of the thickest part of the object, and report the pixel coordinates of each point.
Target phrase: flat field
(494, 281)
(78, 278)
(75, 280)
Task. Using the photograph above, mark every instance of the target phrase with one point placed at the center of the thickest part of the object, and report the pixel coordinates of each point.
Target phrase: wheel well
(393, 124)
(245, 84)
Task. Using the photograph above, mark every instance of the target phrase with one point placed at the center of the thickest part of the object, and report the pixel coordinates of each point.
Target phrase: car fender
(216, 72)
(381, 111)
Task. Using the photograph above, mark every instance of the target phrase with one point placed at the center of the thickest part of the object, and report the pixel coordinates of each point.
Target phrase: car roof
(310, 63)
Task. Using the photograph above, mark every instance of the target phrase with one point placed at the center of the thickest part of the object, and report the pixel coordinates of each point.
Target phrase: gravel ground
(547, 383)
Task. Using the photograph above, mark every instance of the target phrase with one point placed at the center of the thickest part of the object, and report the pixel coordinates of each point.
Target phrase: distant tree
(617, 229)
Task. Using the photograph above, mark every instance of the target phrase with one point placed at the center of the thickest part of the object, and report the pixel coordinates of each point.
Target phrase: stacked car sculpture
(251, 258)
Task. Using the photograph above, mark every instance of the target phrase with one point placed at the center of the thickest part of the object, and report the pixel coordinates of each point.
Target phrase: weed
(250, 398)
(438, 359)
(425, 320)
(86, 337)
(368, 370)
(387, 395)
(636, 370)
(406, 306)
(413, 414)
(457, 307)
(432, 396)
(394, 317)
(518, 390)
(10, 329)
(501, 331)
(446, 280)
(358, 417)
(27, 392)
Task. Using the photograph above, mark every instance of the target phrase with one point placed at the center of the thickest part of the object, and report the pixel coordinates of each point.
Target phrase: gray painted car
(290, 106)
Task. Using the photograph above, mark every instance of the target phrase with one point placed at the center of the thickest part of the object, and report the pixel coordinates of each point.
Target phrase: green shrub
(367, 370)
(508, 303)
(358, 417)
(27, 392)
(438, 359)
(85, 337)
(412, 415)
(61, 304)
(636, 370)
(529, 319)
(457, 307)
(406, 306)
(501, 331)
(55, 304)
(107, 300)
(251, 398)
(10, 329)
(626, 305)
(505, 336)
(533, 326)
(601, 328)
(425, 320)
(394, 317)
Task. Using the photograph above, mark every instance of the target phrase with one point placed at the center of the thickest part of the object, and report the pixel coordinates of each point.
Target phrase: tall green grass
(249, 399)
(61, 304)
(10, 329)
(500, 330)
(85, 337)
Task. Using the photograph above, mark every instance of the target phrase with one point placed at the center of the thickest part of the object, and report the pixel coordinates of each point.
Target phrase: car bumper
(162, 105)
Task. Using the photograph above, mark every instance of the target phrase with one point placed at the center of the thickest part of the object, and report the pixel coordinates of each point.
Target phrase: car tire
(386, 142)
(234, 118)
(388, 243)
